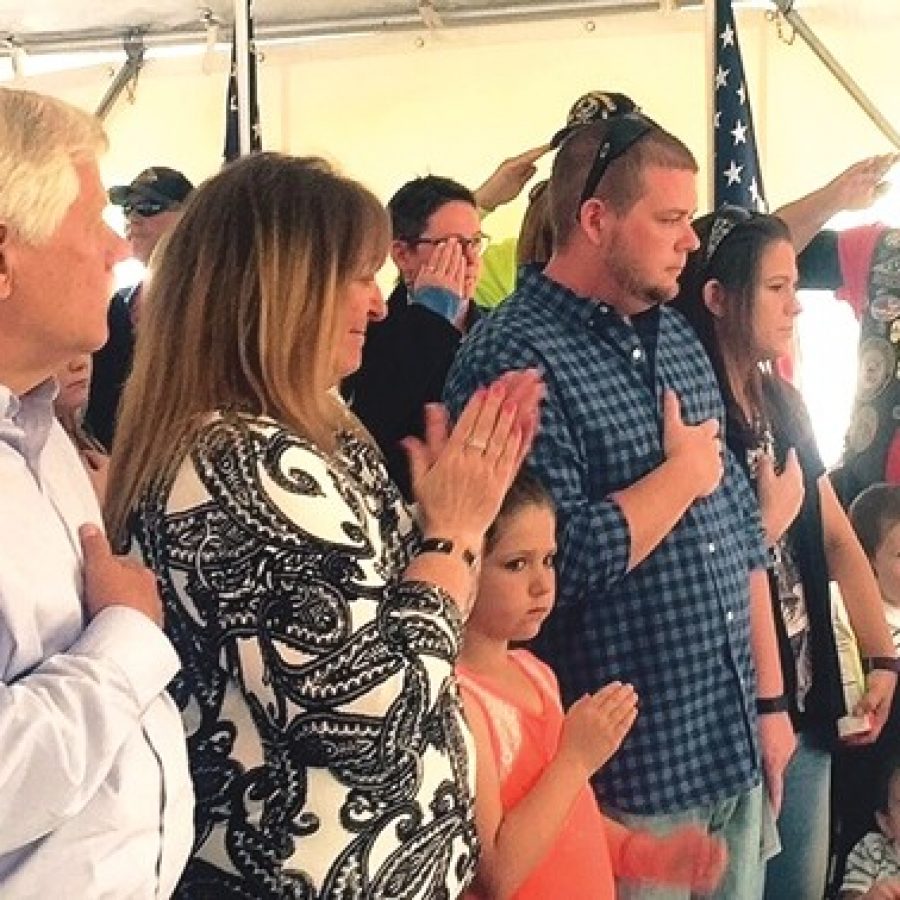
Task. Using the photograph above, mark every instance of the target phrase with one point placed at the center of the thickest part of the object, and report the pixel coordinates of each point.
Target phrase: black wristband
(445, 545)
(767, 705)
(885, 663)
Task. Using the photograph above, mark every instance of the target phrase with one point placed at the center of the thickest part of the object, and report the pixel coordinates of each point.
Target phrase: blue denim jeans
(737, 820)
(801, 868)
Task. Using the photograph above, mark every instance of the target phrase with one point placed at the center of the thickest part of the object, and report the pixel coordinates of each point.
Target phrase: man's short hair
(414, 204)
(41, 141)
(621, 185)
(873, 514)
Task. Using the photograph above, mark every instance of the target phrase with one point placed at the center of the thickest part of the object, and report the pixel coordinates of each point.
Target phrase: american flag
(738, 179)
(232, 128)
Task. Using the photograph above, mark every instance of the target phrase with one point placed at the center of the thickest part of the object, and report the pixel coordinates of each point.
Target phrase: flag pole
(710, 9)
(242, 74)
(785, 7)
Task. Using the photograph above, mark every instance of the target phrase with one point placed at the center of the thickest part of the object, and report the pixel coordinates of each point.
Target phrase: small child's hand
(596, 725)
(688, 857)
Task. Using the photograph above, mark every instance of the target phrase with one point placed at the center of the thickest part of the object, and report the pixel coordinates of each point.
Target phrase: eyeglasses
(622, 132)
(478, 243)
(145, 209)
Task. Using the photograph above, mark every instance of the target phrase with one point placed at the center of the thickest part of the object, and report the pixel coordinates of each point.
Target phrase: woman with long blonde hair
(317, 622)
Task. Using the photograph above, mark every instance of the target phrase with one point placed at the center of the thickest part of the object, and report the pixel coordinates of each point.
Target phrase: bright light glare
(129, 271)
(828, 333)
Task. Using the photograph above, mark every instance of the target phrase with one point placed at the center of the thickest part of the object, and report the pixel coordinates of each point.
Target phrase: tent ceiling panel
(66, 25)
(83, 21)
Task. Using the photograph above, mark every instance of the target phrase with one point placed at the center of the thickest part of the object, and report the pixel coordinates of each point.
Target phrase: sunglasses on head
(146, 209)
(727, 218)
(622, 132)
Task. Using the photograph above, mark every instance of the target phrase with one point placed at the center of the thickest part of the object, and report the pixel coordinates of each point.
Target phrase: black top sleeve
(819, 264)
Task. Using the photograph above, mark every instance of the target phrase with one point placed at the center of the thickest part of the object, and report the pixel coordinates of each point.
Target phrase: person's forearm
(851, 570)
(807, 216)
(848, 566)
(855, 188)
(63, 725)
(527, 831)
(763, 642)
(653, 506)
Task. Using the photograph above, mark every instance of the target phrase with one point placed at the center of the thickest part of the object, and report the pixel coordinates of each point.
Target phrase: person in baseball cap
(152, 205)
(594, 106)
(158, 184)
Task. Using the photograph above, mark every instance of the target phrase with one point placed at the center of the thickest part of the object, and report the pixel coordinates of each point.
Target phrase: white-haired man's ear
(5, 263)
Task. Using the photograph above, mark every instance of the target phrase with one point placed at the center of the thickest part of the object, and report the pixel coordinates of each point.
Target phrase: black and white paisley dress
(325, 734)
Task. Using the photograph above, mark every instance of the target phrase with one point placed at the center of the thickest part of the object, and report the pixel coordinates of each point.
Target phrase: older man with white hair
(93, 769)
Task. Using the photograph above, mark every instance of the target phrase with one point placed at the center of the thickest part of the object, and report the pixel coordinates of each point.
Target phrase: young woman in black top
(738, 290)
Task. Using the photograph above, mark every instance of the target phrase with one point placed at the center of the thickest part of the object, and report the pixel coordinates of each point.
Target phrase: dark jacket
(112, 365)
(404, 366)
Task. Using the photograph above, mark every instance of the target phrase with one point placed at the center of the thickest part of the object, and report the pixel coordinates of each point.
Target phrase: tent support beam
(242, 71)
(487, 14)
(785, 7)
(128, 74)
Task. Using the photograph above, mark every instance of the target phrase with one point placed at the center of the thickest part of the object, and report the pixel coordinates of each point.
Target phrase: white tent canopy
(87, 25)
(390, 89)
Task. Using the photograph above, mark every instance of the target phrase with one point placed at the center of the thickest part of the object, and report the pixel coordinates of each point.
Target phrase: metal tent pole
(134, 62)
(785, 7)
(242, 64)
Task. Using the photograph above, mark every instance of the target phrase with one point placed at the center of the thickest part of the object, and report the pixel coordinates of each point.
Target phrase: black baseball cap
(159, 184)
(595, 106)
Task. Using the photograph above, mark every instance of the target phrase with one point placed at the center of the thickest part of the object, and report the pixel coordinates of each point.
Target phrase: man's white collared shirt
(96, 795)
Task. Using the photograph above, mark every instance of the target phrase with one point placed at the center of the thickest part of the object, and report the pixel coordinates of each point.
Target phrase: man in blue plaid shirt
(661, 556)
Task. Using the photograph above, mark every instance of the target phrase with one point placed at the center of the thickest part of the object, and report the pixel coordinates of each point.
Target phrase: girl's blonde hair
(241, 313)
(535, 244)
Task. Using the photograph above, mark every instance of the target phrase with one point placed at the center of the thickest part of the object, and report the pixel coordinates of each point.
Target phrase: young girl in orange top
(541, 831)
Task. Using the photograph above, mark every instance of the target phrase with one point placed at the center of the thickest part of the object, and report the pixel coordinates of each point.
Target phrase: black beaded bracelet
(445, 545)
(767, 705)
(885, 663)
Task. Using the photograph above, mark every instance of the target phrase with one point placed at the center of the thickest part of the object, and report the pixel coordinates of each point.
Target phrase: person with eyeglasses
(436, 245)
(153, 203)
(662, 563)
